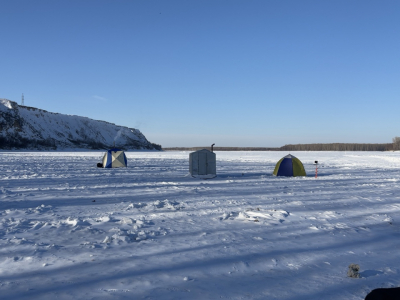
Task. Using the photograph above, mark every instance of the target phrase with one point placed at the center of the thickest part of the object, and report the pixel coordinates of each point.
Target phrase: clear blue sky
(192, 73)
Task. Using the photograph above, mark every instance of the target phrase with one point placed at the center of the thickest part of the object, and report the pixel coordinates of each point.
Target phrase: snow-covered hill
(23, 127)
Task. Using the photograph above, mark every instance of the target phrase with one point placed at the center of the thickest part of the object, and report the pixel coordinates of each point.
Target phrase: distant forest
(306, 147)
(221, 148)
(338, 147)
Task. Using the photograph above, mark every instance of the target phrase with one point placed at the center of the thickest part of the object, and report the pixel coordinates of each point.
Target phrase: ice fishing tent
(114, 158)
(289, 166)
(202, 164)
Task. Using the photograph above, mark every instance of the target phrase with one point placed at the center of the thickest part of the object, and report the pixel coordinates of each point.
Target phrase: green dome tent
(289, 166)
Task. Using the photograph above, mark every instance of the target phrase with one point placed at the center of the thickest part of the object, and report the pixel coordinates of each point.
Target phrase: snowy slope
(31, 128)
(69, 230)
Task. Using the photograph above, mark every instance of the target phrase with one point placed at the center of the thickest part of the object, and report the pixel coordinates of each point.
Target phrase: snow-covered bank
(69, 230)
(23, 127)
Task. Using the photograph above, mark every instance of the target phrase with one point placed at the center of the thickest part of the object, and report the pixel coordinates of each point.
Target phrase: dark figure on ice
(384, 294)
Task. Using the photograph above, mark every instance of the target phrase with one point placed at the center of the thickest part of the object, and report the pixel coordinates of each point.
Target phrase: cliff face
(23, 127)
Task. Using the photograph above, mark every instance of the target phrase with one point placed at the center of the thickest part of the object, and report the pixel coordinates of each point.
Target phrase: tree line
(221, 148)
(338, 147)
(306, 147)
(396, 143)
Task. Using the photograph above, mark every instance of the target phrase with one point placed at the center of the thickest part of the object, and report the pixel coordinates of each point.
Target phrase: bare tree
(396, 143)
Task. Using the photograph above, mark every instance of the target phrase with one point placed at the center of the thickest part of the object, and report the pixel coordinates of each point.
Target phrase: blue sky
(193, 73)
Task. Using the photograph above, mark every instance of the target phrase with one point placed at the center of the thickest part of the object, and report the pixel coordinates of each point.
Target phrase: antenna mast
(22, 100)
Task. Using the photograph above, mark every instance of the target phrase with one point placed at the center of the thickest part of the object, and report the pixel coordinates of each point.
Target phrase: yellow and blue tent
(289, 166)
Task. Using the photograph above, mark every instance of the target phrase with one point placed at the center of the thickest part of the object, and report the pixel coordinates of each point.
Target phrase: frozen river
(69, 230)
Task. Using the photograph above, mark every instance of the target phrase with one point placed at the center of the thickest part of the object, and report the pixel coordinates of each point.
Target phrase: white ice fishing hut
(203, 164)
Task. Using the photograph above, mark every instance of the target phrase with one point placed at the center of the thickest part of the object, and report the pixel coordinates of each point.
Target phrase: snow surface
(5, 104)
(69, 230)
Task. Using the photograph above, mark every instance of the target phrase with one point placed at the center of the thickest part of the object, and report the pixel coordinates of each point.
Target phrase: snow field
(69, 230)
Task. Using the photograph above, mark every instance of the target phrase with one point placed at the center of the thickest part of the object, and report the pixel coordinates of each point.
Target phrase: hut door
(202, 163)
(211, 164)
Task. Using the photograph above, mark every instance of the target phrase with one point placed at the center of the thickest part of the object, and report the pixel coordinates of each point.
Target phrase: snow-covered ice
(69, 230)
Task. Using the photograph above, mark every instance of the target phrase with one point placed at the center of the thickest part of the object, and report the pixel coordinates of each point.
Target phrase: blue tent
(114, 158)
